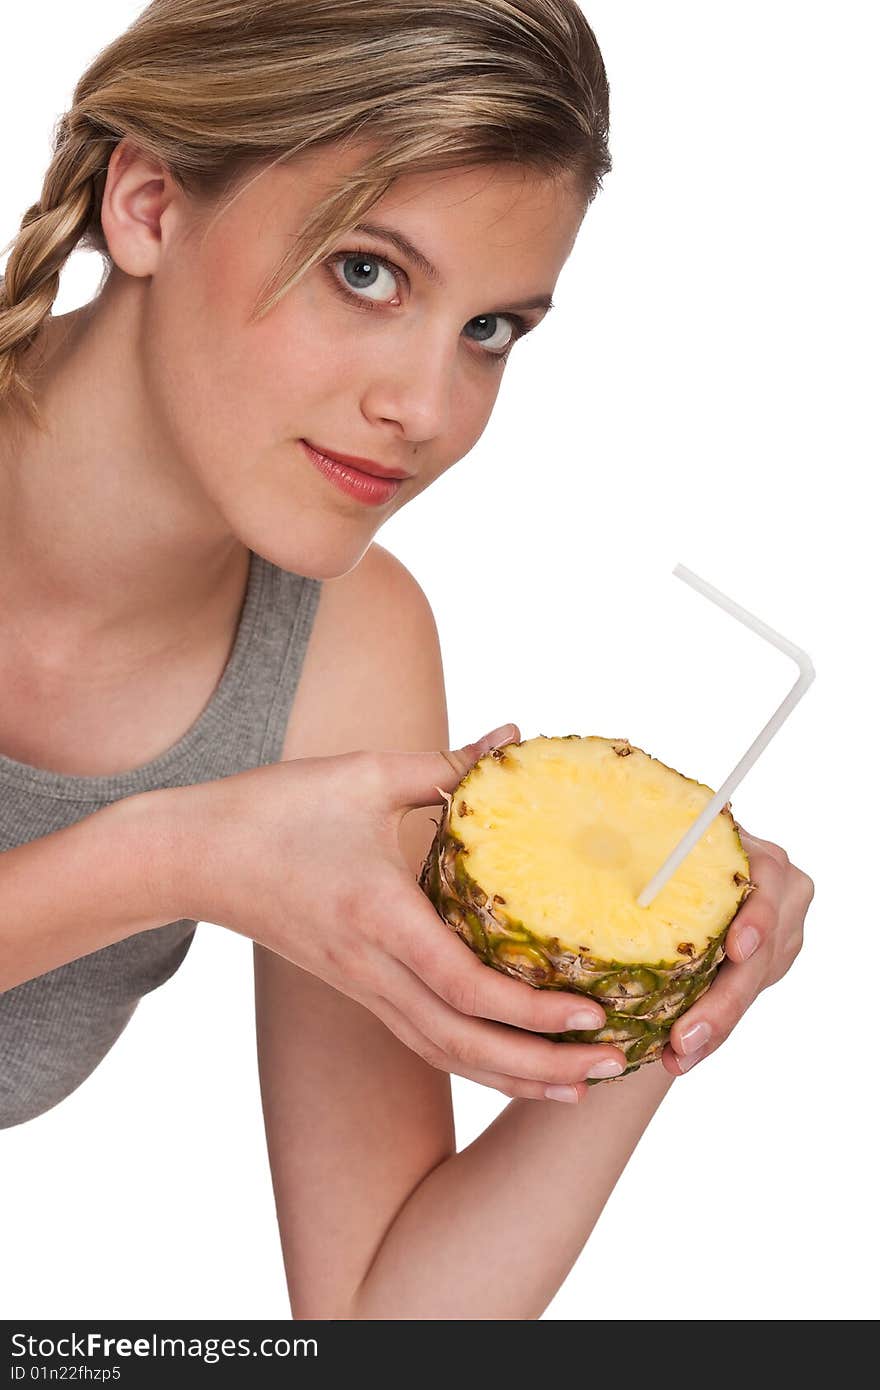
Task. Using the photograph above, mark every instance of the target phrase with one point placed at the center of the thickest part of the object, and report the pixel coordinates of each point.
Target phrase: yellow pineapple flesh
(540, 856)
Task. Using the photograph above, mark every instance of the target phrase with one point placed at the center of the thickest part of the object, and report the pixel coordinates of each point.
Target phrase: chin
(292, 530)
(309, 557)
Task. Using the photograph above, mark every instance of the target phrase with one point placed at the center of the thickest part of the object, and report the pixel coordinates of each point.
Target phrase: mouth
(368, 466)
(366, 488)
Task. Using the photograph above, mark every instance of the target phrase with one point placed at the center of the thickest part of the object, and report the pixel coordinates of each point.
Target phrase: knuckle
(567, 1069)
(509, 1089)
(776, 852)
(416, 948)
(540, 1014)
(467, 1053)
(806, 885)
(462, 995)
(433, 1054)
(723, 1025)
(420, 951)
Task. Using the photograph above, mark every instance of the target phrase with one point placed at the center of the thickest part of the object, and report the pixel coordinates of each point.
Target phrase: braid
(50, 231)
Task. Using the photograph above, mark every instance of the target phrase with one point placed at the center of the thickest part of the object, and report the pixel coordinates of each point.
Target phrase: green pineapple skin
(641, 1002)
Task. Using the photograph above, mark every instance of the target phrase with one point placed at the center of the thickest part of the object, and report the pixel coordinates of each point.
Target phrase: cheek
(475, 405)
(194, 351)
(220, 379)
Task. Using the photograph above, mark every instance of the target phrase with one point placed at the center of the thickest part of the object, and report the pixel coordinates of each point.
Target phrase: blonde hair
(212, 89)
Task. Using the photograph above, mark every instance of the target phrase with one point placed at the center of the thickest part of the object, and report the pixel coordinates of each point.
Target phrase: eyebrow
(428, 269)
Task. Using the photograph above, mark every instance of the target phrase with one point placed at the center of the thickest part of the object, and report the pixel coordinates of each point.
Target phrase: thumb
(420, 779)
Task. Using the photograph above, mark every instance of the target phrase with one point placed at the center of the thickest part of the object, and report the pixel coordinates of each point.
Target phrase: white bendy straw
(805, 679)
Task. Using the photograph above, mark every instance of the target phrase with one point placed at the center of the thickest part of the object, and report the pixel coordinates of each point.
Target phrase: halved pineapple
(538, 860)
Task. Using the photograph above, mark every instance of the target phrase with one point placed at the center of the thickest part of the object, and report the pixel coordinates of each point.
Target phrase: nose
(411, 383)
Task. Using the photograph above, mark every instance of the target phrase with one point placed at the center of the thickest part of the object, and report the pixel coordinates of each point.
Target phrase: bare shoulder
(372, 675)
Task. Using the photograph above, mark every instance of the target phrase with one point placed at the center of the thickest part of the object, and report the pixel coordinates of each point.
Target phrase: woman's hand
(303, 856)
(763, 940)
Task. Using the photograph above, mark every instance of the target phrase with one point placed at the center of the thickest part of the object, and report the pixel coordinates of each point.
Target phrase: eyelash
(520, 325)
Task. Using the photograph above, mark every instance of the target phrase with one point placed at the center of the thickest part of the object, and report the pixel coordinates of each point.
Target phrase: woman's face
(369, 355)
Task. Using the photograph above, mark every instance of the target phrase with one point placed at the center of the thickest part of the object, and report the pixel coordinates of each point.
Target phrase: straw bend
(722, 796)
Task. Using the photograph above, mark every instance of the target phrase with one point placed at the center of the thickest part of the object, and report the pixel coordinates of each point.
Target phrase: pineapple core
(563, 835)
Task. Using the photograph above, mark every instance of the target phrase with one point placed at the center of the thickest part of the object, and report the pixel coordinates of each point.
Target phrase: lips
(376, 470)
(355, 482)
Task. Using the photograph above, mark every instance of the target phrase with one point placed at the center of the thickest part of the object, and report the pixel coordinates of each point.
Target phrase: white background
(701, 394)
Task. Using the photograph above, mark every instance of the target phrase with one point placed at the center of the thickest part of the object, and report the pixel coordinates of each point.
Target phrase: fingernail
(693, 1038)
(609, 1066)
(685, 1063)
(498, 736)
(567, 1093)
(747, 941)
(585, 1018)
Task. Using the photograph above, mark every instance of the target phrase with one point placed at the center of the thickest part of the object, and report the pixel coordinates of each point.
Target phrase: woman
(325, 224)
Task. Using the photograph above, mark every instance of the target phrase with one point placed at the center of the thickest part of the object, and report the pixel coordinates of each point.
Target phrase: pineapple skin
(641, 1002)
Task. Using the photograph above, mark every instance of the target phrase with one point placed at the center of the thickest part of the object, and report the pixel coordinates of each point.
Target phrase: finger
(513, 1086)
(676, 1065)
(759, 914)
(419, 779)
(480, 1046)
(804, 888)
(773, 851)
(703, 1028)
(433, 951)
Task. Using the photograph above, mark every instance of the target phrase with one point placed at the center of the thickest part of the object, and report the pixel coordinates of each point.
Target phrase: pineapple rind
(641, 1002)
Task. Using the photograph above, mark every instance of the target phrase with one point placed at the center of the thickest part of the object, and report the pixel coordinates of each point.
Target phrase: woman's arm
(379, 1217)
(88, 885)
(493, 1231)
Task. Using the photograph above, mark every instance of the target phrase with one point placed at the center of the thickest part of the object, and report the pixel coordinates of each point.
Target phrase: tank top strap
(255, 721)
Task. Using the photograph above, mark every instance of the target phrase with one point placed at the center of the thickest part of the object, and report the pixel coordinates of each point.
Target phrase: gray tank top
(55, 1029)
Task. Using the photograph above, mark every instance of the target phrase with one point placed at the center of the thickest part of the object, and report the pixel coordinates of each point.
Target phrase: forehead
(498, 201)
(492, 206)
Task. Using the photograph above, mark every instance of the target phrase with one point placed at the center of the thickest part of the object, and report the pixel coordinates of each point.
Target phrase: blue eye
(493, 320)
(366, 270)
(361, 271)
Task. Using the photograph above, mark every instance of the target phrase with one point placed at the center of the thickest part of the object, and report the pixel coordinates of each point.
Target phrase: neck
(103, 530)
